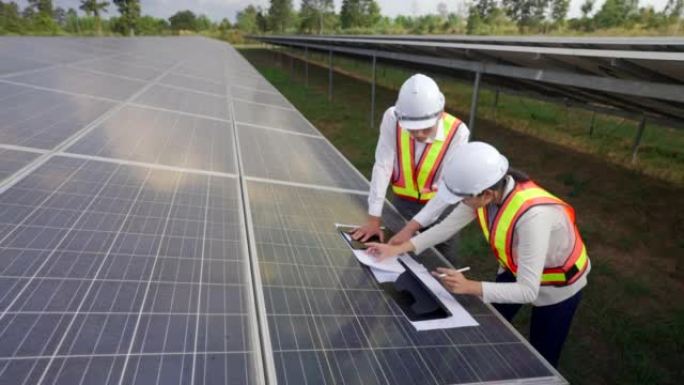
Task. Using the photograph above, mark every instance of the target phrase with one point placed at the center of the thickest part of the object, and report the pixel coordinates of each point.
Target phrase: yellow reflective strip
(483, 223)
(582, 260)
(553, 277)
(507, 216)
(406, 167)
(428, 165)
(431, 156)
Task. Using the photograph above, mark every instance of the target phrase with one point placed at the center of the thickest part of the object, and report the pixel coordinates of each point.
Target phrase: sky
(219, 9)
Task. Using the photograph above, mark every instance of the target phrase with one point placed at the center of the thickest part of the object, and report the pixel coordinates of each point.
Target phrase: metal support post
(306, 66)
(591, 125)
(496, 104)
(330, 75)
(637, 140)
(372, 114)
(473, 102)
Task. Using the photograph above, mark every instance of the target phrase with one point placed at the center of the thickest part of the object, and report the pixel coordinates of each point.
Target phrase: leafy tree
(315, 15)
(673, 10)
(10, 18)
(247, 19)
(526, 13)
(60, 16)
(148, 25)
(203, 23)
(559, 10)
(42, 7)
(484, 8)
(183, 20)
(130, 14)
(280, 15)
(587, 7)
(94, 8)
(359, 13)
(616, 13)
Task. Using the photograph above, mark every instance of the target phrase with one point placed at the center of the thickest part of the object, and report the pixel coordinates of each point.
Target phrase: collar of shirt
(440, 135)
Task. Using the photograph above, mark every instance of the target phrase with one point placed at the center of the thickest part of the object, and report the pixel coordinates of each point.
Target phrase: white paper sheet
(459, 316)
(389, 271)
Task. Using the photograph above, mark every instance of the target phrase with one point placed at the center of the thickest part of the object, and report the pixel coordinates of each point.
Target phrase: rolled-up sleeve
(385, 153)
(453, 223)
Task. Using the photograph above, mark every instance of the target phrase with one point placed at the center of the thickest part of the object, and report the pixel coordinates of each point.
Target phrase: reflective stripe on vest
(499, 234)
(414, 181)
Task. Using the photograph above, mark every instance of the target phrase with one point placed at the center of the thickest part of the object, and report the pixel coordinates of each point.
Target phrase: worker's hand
(456, 282)
(402, 236)
(370, 229)
(406, 233)
(383, 251)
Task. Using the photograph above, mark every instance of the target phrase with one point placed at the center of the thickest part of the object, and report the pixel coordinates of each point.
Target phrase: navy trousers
(549, 325)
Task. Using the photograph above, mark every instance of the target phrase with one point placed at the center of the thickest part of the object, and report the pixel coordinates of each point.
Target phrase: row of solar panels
(167, 217)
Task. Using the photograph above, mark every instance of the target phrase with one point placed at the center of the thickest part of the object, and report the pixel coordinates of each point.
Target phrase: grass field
(630, 327)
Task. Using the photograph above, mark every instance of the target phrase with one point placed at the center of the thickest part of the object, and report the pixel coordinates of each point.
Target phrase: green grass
(661, 153)
(630, 327)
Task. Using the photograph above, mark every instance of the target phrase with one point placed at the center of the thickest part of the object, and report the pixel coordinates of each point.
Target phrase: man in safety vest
(416, 138)
(533, 236)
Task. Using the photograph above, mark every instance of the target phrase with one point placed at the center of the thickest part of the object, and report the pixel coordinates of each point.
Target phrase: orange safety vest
(499, 233)
(414, 181)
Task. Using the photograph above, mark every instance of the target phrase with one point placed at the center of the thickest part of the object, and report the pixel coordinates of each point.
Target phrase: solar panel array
(167, 217)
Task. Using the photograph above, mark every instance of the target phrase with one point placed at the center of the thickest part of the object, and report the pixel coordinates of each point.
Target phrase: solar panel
(161, 137)
(174, 99)
(272, 117)
(137, 246)
(294, 158)
(43, 119)
(11, 161)
(80, 82)
(327, 314)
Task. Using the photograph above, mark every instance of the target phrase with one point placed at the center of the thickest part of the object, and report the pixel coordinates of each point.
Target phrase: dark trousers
(549, 325)
(408, 209)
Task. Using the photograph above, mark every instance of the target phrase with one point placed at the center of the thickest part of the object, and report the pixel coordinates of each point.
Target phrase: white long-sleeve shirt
(542, 237)
(386, 157)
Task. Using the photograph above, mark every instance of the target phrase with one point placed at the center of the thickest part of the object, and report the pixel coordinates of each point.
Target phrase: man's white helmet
(473, 168)
(420, 103)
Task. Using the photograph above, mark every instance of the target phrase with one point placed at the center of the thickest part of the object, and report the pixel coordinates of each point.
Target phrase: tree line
(41, 17)
(479, 17)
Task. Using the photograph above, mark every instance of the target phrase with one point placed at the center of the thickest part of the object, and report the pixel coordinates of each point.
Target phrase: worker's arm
(450, 225)
(385, 153)
(454, 222)
(533, 233)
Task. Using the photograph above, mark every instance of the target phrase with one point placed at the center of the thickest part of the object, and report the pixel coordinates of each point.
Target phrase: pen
(461, 270)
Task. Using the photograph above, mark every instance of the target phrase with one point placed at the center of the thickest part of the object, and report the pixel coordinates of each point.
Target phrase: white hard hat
(474, 167)
(420, 103)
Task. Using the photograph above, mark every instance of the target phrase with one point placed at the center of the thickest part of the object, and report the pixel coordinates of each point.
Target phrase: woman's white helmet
(473, 168)
(420, 103)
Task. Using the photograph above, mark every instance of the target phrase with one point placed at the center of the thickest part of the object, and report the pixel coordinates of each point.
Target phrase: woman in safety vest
(542, 258)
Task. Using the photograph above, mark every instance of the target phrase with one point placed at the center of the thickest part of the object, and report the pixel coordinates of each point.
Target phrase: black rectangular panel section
(295, 158)
(330, 322)
(114, 273)
(164, 138)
